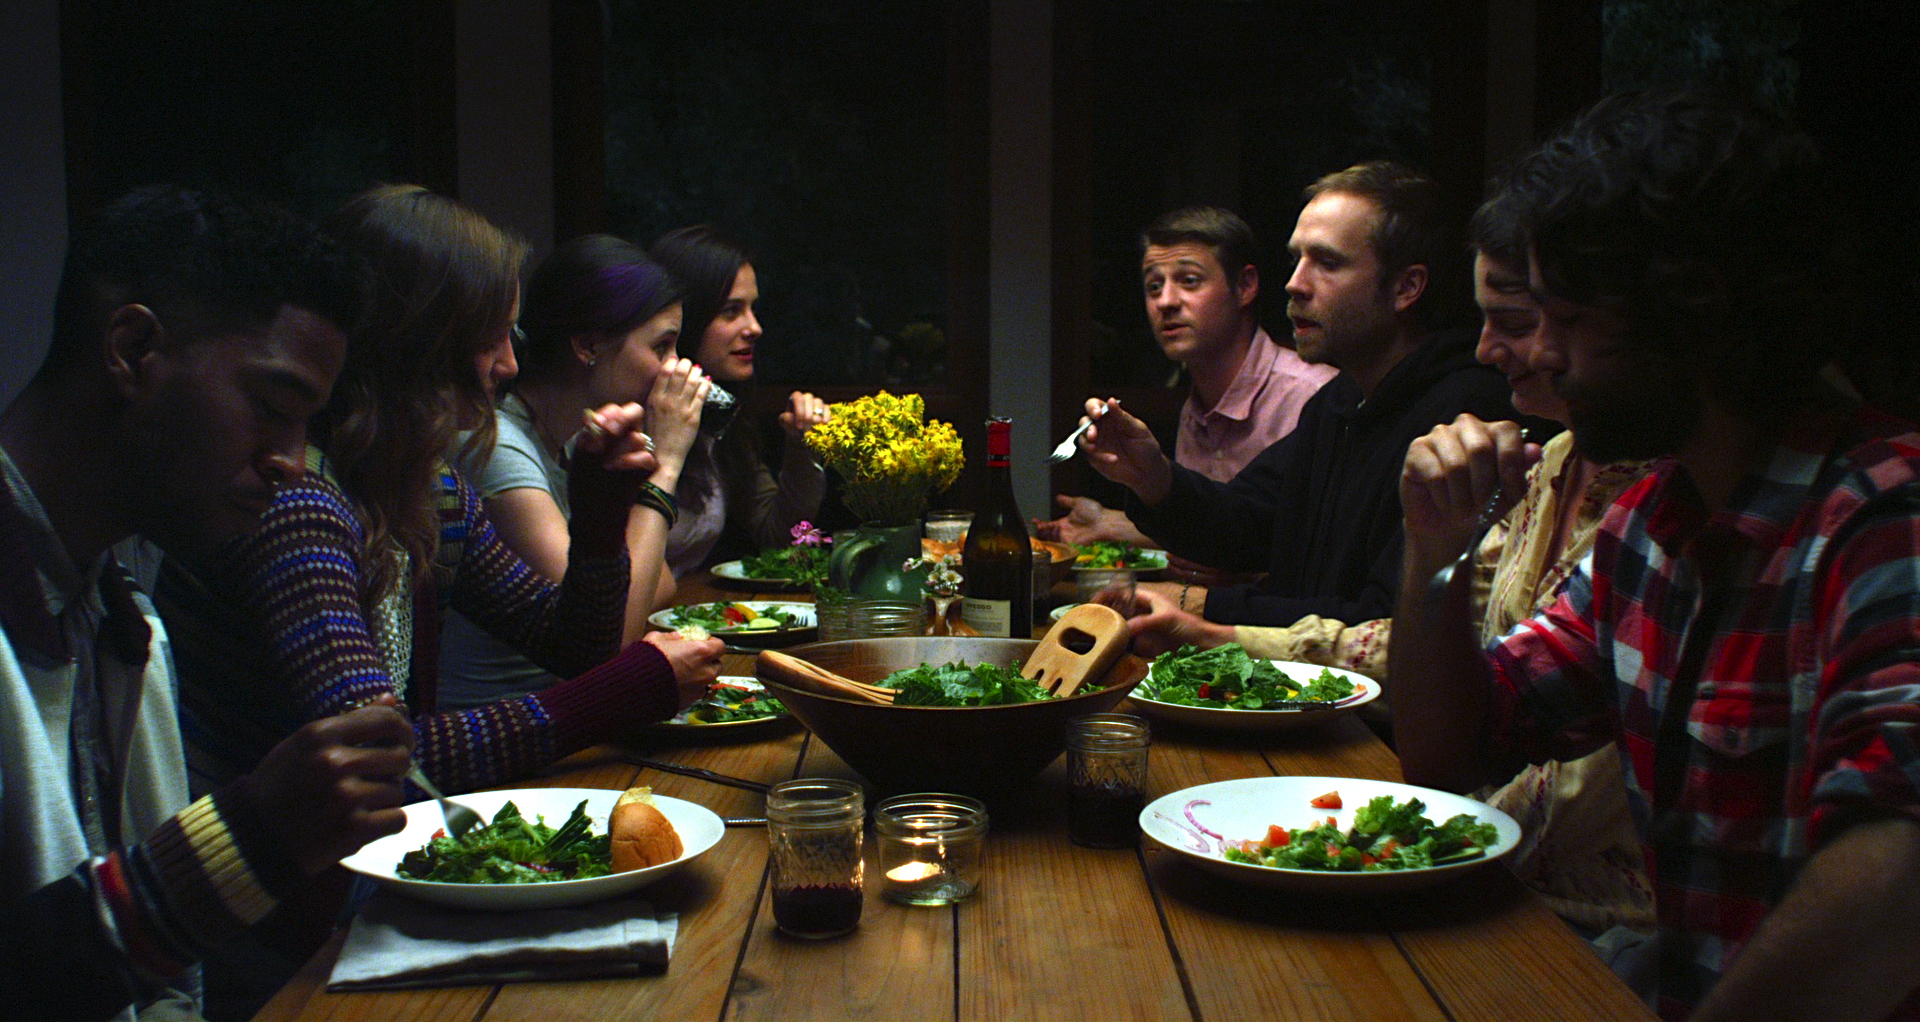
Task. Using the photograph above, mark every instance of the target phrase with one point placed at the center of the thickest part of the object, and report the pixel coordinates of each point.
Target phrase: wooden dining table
(1056, 931)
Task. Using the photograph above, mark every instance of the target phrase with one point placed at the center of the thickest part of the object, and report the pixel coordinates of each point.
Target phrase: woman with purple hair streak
(600, 324)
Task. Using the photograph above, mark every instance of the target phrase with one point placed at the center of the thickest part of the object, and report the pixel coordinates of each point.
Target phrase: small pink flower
(804, 534)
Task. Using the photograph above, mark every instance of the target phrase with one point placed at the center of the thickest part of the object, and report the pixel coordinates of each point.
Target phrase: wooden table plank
(1059, 931)
(897, 965)
(1489, 924)
(714, 897)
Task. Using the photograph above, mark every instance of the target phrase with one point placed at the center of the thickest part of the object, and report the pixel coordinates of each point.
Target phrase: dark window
(1240, 105)
(816, 133)
(302, 103)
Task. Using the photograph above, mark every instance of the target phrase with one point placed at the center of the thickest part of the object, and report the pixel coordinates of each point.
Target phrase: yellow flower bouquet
(890, 456)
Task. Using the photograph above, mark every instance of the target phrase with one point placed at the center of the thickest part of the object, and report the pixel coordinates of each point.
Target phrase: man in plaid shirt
(1748, 625)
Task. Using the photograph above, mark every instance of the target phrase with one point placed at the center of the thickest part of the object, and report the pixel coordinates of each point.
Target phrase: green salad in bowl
(958, 684)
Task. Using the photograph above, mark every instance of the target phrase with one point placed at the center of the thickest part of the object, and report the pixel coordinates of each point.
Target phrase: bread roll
(642, 835)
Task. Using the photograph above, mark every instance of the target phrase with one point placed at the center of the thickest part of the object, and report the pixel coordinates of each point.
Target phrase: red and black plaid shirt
(1781, 634)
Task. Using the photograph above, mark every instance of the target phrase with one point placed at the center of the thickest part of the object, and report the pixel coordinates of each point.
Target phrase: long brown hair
(446, 280)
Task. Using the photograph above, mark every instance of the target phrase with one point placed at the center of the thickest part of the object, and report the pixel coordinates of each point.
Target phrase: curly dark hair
(1709, 224)
(205, 263)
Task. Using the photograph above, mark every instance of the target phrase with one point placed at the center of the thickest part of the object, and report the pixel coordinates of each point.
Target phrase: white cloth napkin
(396, 943)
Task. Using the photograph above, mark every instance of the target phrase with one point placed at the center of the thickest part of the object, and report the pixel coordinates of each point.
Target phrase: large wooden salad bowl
(981, 750)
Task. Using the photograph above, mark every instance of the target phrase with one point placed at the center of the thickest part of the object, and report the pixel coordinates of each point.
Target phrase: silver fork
(1437, 587)
(459, 818)
(1065, 448)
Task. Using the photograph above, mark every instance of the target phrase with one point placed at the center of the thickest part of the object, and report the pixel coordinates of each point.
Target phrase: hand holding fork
(1467, 473)
(1065, 448)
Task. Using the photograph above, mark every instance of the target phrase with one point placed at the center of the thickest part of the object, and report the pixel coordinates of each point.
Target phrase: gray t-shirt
(475, 667)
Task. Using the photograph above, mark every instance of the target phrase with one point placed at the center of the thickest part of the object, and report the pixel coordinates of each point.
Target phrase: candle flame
(914, 872)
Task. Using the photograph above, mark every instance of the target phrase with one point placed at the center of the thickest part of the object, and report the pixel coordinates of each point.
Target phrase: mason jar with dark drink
(814, 834)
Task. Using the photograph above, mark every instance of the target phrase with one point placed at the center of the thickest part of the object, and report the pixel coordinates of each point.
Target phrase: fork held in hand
(1065, 448)
(459, 818)
(1437, 587)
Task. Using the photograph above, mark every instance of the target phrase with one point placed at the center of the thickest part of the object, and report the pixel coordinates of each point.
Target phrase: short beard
(1622, 420)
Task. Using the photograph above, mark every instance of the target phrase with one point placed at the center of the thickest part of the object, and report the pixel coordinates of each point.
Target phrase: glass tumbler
(947, 526)
(1114, 587)
(1107, 774)
(814, 828)
(930, 847)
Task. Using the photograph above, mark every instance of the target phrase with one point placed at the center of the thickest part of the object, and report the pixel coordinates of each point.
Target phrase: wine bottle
(997, 560)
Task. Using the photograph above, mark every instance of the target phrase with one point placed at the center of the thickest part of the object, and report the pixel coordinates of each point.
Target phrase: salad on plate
(1225, 677)
(1108, 555)
(512, 849)
(736, 616)
(732, 700)
(1387, 834)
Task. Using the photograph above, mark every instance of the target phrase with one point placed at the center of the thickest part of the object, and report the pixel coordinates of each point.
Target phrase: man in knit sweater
(193, 337)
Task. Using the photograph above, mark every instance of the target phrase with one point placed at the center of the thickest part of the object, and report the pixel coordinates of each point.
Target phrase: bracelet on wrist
(1184, 586)
(660, 500)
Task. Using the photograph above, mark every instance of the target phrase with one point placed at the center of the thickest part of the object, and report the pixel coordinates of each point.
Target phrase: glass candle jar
(814, 834)
(1114, 587)
(930, 847)
(1107, 774)
(944, 526)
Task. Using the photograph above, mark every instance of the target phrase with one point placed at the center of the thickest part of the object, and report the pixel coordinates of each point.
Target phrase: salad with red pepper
(1386, 835)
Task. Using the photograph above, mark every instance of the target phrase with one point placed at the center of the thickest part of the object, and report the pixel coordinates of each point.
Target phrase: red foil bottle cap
(999, 438)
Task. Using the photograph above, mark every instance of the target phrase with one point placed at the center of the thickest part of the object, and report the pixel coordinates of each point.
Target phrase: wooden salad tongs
(1060, 670)
(798, 673)
(1054, 667)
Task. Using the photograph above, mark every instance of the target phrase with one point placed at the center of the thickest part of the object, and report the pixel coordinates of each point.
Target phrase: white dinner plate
(679, 721)
(1366, 690)
(699, 830)
(1196, 823)
(806, 629)
(736, 572)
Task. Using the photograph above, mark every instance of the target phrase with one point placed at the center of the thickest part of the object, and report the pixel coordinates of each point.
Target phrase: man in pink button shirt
(1247, 389)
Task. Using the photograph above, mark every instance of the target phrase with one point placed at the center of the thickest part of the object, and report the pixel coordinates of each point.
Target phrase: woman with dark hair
(600, 326)
(339, 597)
(725, 479)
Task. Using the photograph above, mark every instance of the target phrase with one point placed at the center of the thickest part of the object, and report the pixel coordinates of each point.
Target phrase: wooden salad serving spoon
(1056, 668)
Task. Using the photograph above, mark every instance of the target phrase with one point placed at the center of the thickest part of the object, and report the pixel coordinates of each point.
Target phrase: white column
(1020, 219)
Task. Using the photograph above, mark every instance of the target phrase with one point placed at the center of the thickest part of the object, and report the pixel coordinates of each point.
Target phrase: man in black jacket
(1319, 511)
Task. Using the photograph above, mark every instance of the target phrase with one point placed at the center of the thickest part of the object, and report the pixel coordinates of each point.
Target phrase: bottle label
(991, 618)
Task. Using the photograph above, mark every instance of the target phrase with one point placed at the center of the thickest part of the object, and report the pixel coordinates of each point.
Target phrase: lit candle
(914, 872)
(929, 848)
